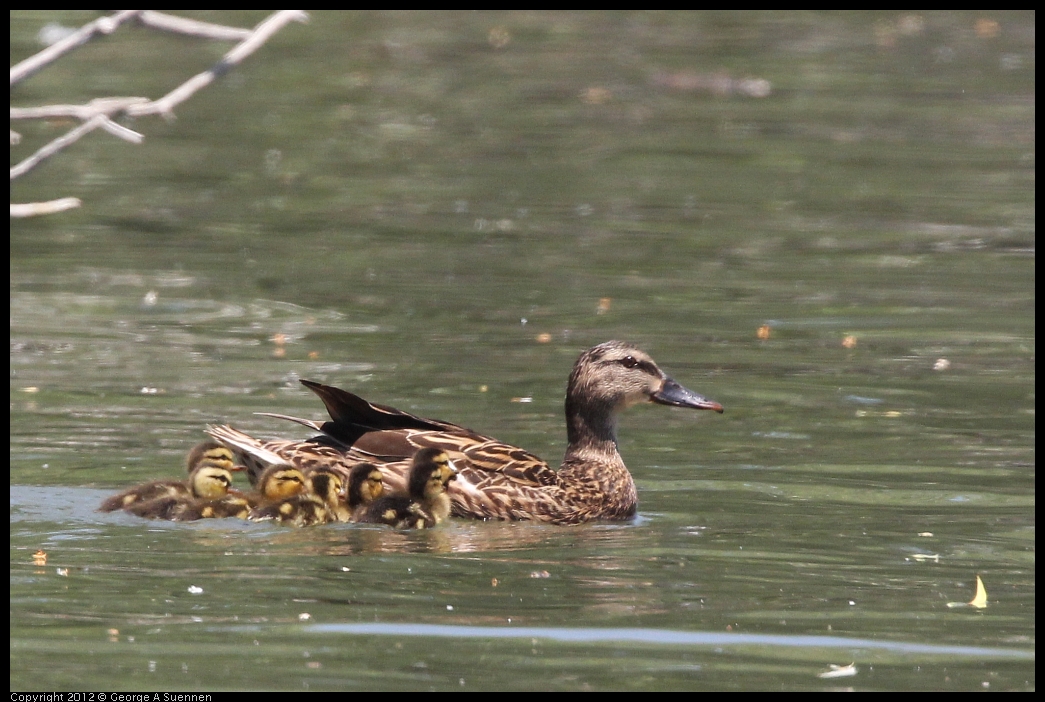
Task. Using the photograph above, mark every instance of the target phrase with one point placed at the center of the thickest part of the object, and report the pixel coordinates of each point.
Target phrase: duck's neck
(599, 483)
(591, 431)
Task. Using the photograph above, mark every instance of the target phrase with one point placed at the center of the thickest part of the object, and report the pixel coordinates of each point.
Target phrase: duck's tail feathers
(237, 440)
(314, 426)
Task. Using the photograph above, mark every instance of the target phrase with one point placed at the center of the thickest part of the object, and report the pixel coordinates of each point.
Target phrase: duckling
(318, 504)
(365, 485)
(208, 454)
(276, 483)
(428, 503)
(209, 484)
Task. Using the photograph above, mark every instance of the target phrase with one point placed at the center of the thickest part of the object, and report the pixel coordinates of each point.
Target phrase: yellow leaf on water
(980, 601)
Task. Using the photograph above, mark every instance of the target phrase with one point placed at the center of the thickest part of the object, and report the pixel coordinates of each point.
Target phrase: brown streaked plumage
(208, 454)
(495, 480)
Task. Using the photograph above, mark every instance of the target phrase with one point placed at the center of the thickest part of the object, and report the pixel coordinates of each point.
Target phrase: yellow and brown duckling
(428, 503)
(365, 485)
(497, 480)
(276, 483)
(319, 503)
(210, 484)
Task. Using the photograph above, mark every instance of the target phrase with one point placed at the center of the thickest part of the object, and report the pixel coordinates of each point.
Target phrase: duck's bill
(671, 393)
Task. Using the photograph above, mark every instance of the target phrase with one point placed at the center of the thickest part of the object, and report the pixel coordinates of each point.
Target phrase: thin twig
(56, 145)
(195, 28)
(31, 209)
(101, 106)
(102, 25)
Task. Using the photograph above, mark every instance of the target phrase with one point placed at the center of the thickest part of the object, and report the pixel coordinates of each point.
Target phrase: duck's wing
(388, 434)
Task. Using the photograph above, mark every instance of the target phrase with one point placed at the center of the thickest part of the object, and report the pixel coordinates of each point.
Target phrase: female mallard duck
(428, 503)
(365, 485)
(495, 480)
(318, 504)
(206, 455)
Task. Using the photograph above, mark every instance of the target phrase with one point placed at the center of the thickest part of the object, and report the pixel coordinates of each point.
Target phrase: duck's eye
(628, 362)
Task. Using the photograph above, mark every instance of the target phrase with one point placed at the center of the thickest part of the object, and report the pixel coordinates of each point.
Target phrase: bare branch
(100, 113)
(165, 105)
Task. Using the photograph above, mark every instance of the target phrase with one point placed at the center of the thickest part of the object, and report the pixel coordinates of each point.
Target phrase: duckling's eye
(628, 362)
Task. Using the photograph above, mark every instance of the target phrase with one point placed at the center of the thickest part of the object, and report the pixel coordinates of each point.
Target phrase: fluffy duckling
(276, 483)
(209, 484)
(365, 485)
(208, 454)
(318, 504)
(428, 503)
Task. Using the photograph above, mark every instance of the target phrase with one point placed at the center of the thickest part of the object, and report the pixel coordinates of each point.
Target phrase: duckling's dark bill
(671, 393)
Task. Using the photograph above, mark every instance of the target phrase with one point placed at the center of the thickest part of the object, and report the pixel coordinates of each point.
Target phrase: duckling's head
(430, 472)
(614, 375)
(211, 453)
(364, 484)
(210, 482)
(280, 481)
(326, 484)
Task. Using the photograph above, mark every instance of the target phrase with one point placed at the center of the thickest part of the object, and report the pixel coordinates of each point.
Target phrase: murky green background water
(440, 211)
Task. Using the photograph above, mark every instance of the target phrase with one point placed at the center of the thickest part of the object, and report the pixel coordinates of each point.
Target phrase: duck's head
(365, 484)
(280, 481)
(612, 376)
(326, 484)
(212, 453)
(430, 472)
(210, 482)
